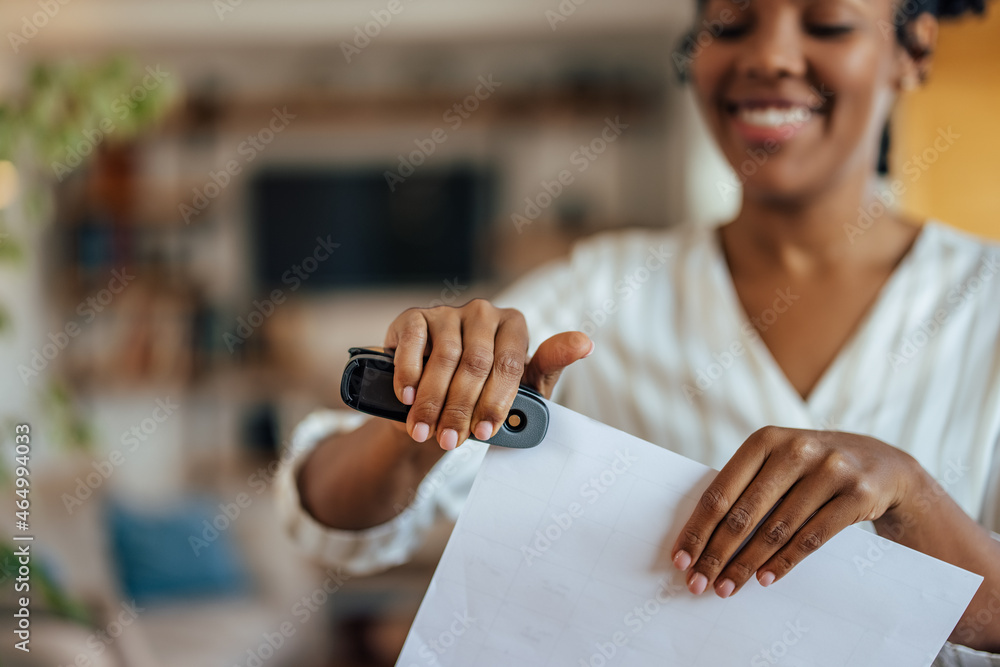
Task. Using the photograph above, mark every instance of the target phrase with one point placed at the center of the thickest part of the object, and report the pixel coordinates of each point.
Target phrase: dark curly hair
(909, 10)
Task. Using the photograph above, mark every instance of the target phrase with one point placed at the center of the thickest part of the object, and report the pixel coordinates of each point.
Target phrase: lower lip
(756, 134)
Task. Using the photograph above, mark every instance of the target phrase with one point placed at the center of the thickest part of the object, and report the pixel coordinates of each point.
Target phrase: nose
(775, 48)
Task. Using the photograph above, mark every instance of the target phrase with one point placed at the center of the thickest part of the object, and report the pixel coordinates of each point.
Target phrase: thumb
(553, 356)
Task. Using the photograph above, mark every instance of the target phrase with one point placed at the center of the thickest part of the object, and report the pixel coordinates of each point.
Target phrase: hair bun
(959, 7)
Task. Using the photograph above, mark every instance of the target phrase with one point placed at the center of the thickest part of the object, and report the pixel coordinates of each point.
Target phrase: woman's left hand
(821, 482)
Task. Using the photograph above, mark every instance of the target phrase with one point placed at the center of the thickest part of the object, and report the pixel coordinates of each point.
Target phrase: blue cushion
(176, 553)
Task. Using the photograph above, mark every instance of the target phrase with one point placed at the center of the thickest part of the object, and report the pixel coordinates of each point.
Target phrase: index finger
(715, 504)
(409, 338)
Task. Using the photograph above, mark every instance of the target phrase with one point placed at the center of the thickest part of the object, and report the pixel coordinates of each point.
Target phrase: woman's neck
(843, 228)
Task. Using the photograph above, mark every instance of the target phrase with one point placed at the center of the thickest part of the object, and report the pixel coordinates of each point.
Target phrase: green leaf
(58, 601)
(10, 249)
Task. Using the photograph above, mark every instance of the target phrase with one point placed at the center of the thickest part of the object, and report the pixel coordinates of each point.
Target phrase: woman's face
(796, 92)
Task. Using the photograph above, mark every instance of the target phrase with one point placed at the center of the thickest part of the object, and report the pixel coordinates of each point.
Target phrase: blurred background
(205, 203)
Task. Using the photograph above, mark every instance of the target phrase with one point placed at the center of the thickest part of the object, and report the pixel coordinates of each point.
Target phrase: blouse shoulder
(953, 240)
(611, 250)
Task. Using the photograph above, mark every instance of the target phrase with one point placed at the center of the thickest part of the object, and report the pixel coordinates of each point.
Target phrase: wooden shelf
(504, 107)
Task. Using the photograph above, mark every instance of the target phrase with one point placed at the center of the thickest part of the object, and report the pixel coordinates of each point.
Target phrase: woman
(870, 340)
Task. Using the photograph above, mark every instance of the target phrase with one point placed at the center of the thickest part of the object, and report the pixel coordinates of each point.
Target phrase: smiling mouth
(765, 119)
(772, 115)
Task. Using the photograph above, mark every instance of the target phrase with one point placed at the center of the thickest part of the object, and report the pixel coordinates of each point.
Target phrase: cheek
(860, 83)
(707, 73)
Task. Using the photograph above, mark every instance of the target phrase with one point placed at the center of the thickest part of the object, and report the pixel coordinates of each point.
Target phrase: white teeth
(774, 117)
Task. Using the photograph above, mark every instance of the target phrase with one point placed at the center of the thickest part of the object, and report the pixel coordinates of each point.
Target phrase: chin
(790, 186)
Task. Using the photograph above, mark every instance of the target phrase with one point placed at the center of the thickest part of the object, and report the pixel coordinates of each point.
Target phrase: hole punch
(516, 421)
(367, 386)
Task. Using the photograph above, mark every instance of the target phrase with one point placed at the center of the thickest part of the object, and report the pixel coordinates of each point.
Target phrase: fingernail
(484, 431)
(698, 583)
(593, 346)
(421, 431)
(682, 560)
(766, 579)
(449, 439)
(726, 588)
(409, 394)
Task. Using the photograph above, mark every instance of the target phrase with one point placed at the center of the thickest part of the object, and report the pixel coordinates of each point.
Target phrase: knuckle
(456, 414)
(862, 491)
(768, 433)
(493, 412)
(693, 539)
(710, 562)
(479, 307)
(782, 564)
(428, 410)
(714, 500)
(477, 361)
(449, 352)
(509, 367)
(739, 520)
(811, 540)
(412, 332)
(837, 465)
(803, 448)
(740, 572)
(411, 315)
(512, 314)
(776, 533)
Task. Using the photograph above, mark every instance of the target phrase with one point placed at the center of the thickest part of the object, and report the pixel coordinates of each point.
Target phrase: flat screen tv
(428, 230)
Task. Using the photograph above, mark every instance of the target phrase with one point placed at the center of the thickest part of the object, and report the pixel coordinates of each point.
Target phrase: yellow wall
(962, 187)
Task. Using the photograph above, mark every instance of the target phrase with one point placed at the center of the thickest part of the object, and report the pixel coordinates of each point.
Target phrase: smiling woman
(876, 374)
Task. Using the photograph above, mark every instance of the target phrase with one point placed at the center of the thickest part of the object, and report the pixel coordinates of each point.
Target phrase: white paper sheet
(561, 557)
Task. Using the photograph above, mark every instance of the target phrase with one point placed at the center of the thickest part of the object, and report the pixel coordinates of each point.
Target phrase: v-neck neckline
(760, 349)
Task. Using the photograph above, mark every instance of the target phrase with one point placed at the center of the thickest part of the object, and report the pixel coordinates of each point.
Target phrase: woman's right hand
(477, 359)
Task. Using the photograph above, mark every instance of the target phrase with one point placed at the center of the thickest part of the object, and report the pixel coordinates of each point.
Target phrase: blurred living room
(206, 203)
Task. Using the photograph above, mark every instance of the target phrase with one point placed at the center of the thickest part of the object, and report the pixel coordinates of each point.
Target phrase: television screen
(425, 231)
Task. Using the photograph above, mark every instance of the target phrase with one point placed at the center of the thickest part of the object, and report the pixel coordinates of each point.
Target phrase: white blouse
(679, 363)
